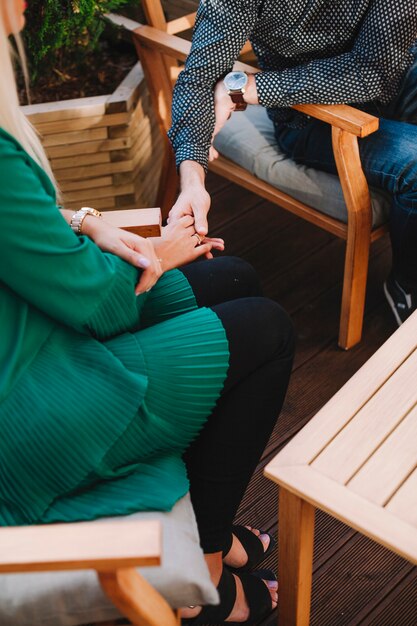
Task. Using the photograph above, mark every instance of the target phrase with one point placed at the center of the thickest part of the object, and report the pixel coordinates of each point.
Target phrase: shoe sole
(392, 305)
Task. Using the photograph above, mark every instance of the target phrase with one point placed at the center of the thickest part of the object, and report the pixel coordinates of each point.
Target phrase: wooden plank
(122, 21)
(125, 130)
(74, 137)
(109, 191)
(296, 540)
(366, 517)
(137, 599)
(84, 545)
(65, 109)
(125, 96)
(144, 222)
(386, 471)
(404, 502)
(344, 405)
(346, 453)
(154, 14)
(102, 169)
(82, 123)
(74, 185)
(80, 159)
(87, 147)
(359, 209)
(181, 23)
(97, 203)
(342, 116)
(127, 200)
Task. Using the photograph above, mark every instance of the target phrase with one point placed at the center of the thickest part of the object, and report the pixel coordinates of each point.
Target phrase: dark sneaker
(402, 303)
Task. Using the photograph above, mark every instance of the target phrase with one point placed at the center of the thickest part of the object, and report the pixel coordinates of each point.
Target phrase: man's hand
(223, 109)
(193, 199)
(179, 244)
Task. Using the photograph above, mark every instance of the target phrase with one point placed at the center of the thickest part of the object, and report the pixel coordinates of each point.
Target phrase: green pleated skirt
(107, 461)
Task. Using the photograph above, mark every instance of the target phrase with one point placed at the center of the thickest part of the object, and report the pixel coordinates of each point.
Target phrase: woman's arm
(130, 247)
(67, 277)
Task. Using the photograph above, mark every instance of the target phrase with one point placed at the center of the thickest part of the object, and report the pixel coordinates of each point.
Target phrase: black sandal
(256, 593)
(252, 545)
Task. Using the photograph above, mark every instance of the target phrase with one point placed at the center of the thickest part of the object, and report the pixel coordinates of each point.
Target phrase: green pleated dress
(100, 391)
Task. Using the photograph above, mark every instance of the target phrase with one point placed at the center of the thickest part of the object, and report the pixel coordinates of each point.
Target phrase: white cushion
(248, 139)
(74, 598)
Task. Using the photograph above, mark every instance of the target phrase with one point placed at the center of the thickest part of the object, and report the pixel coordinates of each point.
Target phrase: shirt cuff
(270, 93)
(192, 152)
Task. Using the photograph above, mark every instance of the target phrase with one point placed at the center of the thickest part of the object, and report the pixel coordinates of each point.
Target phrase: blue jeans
(389, 161)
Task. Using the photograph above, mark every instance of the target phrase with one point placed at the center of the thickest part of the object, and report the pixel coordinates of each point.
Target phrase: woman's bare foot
(237, 555)
(240, 611)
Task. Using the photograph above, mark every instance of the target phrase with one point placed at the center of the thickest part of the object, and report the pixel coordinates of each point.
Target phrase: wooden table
(356, 460)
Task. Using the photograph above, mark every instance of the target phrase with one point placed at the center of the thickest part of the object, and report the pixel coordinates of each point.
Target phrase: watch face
(235, 81)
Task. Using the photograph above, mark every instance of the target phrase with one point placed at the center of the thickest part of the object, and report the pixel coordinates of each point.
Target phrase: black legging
(221, 461)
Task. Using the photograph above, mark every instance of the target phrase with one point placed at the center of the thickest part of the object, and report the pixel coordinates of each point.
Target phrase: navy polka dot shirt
(310, 51)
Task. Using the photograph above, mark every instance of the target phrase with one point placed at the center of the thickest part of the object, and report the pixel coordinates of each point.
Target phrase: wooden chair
(161, 52)
(114, 548)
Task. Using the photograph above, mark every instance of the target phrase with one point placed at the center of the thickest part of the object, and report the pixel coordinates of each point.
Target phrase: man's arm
(221, 29)
(379, 57)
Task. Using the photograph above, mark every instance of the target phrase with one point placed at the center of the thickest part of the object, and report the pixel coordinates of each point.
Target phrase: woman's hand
(180, 244)
(130, 247)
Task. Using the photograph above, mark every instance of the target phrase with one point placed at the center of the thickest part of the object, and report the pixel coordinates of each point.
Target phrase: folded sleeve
(65, 276)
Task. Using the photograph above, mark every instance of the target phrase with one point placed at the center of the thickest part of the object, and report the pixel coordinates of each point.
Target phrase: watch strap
(78, 218)
(237, 98)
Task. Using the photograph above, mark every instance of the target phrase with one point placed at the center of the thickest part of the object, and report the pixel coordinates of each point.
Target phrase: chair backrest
(157, 56)
(155, 16)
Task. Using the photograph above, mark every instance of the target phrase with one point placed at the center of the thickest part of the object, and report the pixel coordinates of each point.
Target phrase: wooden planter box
(105, 151)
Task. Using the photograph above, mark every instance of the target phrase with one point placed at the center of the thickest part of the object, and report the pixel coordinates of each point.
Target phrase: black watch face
(236, 81)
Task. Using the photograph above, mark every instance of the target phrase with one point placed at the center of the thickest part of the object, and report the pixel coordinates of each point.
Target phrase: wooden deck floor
(355, 580)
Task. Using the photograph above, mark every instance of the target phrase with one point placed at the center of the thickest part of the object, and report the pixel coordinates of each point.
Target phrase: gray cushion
(73, 598)
(248, 139)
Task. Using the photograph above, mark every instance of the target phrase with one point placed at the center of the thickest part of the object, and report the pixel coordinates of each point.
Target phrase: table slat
(362, 436)
(392, 463)
(331, 419)
(404, 502)
(351, 509)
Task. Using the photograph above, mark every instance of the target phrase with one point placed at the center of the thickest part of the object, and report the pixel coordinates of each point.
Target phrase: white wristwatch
(78, 218)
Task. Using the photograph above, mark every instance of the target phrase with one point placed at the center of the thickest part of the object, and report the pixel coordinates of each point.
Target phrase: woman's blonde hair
(12, 118)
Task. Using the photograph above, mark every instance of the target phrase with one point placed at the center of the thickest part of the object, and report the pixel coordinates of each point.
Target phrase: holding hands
(178, 245)
(181, 244)
(133, 249)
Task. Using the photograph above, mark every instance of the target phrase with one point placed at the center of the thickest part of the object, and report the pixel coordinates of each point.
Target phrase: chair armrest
(143, 222)
(103, 546)
(341, 116)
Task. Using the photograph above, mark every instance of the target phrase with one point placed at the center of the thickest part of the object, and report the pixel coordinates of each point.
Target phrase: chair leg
(136, 599)
(168, 182)
(296, 541)
(358, 202)
(354, 284)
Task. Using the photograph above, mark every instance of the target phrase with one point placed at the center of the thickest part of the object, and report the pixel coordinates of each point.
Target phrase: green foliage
(61, 31)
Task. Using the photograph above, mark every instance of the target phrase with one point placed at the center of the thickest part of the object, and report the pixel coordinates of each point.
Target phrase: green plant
(62, 31)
